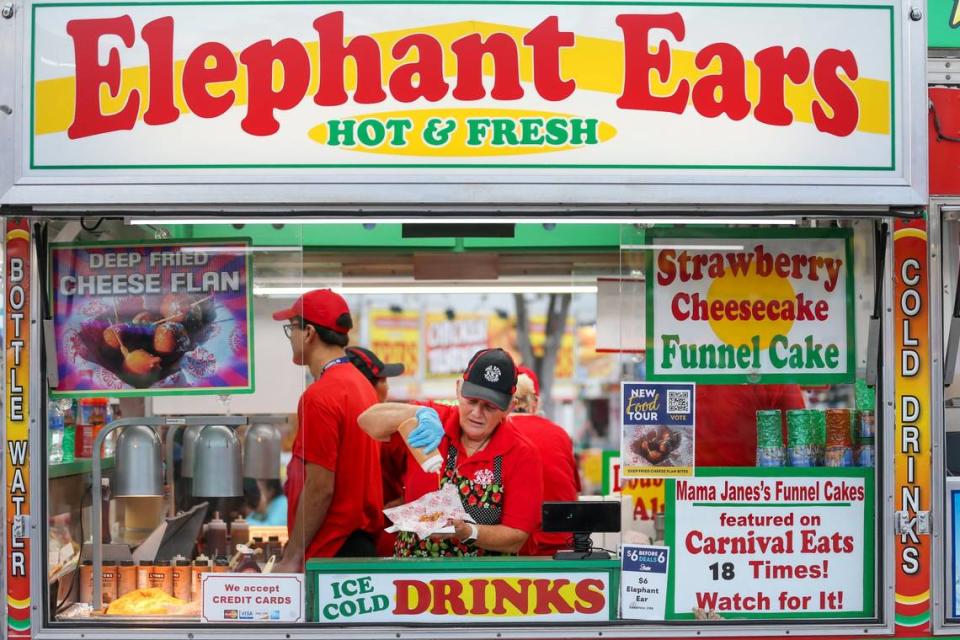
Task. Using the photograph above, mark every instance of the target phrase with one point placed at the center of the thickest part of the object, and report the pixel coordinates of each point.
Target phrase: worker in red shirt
(726, 417)
(393, 454)
(334, 491)
(561, 478)
(494, 468)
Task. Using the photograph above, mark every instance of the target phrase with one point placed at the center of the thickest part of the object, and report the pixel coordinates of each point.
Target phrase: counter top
(76, 467)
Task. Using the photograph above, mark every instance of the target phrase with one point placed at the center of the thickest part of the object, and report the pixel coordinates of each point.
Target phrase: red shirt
(561, 478)
(521, 471)
(329, 436)
(726, 432)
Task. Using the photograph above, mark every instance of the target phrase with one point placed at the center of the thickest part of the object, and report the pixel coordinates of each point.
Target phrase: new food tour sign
(748, 306)
(152, 319)
(558, 89)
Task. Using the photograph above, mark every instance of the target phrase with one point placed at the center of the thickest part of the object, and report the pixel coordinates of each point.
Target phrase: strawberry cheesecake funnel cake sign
(152, 319)
(773, 307)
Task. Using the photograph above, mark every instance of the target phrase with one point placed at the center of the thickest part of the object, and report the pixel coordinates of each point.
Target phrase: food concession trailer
(753, 174)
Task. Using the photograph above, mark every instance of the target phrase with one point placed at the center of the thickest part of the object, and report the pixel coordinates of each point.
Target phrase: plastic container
(182, 579)
(55, 430)
(770, 450)
(221, 565)
(429, 462)
(239, 532)
(215, 537)
(161, 576)
(839, 451)
(200, 566)
(801, 439)
(144, 569)
(108, 581)
(127, 577)
(93, 415)
(86, 581)
(69, 409)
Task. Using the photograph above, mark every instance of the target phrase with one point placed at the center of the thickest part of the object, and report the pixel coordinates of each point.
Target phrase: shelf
(79, 466)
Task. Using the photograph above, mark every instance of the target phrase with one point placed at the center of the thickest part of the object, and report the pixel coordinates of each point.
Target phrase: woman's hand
(460, 531)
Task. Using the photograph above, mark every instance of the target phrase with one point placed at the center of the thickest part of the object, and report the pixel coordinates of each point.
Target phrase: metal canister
(801, 440)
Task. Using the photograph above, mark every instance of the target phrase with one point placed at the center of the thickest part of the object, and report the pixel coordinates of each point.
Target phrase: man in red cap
(333, 488)
(561, 478)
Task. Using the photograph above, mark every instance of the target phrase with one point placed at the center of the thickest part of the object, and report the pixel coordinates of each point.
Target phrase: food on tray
(145, 602)
(655, 445)
(431, 517)
(428, 514)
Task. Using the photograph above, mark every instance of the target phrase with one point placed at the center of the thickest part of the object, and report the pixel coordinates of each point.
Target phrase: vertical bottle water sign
(657, 434)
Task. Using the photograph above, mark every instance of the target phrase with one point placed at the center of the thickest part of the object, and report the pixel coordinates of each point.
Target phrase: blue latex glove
(429, 431)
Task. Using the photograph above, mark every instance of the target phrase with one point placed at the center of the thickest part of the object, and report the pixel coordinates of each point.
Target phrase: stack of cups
(839, 442)
(866, 431)
(801, 439)
(819, 421)
(770, 451)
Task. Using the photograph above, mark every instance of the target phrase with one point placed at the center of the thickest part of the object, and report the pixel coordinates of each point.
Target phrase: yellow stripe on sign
(18, 604)
(917, 599)
(919, 234)
(596, 64)
(18, 234)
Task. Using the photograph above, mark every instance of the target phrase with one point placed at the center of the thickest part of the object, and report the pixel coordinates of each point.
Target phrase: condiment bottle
(182, 578)
(144, 569)
(221, 565)
(108, 581)
(86, 581)
(200, 566)
(161, 576)
(274, 548)
(248, 561)
(127, 581)
(216, 536)
(239, 532)
(429, 462)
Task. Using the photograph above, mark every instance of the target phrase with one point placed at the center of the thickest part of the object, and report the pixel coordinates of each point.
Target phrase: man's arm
(312, 509)
(382, 420)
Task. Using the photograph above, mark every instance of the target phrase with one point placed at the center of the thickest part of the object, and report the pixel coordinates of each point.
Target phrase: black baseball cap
(491, 376)
(371, 366)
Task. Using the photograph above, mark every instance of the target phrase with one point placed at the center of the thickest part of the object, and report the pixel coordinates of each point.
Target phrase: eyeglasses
(289, 327)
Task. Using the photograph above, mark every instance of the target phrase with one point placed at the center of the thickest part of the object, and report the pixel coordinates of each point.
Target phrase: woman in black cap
(495, 470)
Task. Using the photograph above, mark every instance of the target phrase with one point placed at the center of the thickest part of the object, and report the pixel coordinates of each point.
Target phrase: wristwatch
(474, 532)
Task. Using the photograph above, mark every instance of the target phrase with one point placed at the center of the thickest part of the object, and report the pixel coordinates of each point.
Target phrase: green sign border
(144, 393)
(892, 166)
(736, 378)
(869, 537)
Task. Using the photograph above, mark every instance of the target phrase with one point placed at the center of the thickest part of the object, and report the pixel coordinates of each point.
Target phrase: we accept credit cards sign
(757, 306)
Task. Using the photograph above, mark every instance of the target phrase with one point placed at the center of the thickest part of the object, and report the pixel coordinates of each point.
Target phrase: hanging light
(139, 469)
(217, 468)
(261, 452)
(188, 448)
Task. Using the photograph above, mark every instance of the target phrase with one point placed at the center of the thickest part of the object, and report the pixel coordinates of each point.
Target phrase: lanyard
(333, 363)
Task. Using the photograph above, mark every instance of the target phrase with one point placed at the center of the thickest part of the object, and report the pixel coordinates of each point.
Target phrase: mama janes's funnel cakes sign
(772, 307)
(731, 89)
